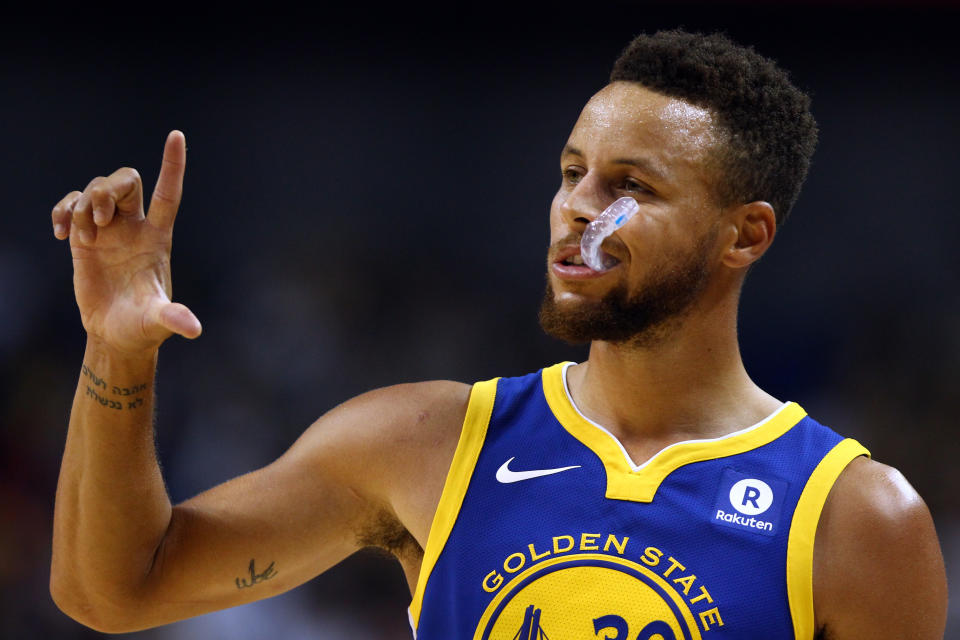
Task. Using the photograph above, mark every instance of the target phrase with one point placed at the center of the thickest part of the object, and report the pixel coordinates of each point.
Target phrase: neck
(690, 383)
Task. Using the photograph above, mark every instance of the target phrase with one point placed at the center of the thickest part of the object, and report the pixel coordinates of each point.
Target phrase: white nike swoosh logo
(506, 476)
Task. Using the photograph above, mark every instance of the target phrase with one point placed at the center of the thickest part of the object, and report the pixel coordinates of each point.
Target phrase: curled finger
(103, 202)
(82, 228)
(61, 214)
(127, 191)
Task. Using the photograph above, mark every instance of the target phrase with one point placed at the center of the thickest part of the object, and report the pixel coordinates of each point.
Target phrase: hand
(121, 257)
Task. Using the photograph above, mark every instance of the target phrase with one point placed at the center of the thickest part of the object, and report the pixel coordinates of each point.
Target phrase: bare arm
(111, 508)
(110, 490)
(878, 569)
(124, 558)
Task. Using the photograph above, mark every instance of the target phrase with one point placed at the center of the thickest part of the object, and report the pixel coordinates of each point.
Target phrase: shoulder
(391, 422)
(398, 405)
(878, 569)
(391, 449)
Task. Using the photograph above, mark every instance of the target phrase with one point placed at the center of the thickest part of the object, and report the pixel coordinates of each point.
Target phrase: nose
(584, 202)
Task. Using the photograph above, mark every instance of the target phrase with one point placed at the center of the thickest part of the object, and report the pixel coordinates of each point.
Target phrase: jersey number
(618, 624)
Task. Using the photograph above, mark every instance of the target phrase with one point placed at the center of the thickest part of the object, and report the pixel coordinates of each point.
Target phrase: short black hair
(770, 132)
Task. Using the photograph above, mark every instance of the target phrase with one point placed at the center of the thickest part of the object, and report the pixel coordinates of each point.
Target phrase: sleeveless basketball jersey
(547, 530)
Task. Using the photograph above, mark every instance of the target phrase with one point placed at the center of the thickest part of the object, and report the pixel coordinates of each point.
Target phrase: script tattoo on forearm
(256, 578)
(112, 396)
(94, 378)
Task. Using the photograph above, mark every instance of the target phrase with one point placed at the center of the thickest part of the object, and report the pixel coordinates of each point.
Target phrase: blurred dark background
(366, 203)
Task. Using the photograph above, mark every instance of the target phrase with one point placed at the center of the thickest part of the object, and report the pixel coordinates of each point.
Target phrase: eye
(571, 175)
(629, 184)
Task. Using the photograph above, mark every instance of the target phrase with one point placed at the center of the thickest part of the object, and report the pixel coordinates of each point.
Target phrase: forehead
(627, 119)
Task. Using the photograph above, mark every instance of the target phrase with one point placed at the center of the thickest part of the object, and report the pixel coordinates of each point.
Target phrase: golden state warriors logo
(588, 595)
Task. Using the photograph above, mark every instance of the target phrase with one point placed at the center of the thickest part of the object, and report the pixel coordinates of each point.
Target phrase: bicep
(878, 568)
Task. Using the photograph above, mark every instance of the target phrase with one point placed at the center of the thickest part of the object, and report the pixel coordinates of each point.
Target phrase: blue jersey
(547, 530)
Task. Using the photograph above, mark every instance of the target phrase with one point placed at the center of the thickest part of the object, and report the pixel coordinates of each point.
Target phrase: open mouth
(576, 260)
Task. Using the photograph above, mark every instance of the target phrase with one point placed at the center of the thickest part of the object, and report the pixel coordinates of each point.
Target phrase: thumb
(169, 189)
(178, 319)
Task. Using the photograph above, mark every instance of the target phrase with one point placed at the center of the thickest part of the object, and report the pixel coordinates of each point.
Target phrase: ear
(755, 224)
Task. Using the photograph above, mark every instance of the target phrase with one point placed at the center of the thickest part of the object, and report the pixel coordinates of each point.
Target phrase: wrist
(117, 380)
(100, 352)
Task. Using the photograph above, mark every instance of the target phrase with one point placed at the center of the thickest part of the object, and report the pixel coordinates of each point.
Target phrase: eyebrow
(643, 164)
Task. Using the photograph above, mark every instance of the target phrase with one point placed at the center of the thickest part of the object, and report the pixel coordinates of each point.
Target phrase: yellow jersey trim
(803, 531)
(479, 410)
(640, 483)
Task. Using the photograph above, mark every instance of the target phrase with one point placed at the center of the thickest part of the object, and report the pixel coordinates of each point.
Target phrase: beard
(643, 319)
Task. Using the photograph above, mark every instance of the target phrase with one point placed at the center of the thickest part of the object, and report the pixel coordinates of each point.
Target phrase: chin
(576, 319)
(645, 319)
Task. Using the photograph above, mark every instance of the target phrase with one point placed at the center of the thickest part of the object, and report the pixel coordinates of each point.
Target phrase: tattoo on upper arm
(256, 578)
(112, 397)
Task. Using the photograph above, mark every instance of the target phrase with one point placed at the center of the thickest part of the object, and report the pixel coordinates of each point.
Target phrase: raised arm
(124, 558)
(112, 509)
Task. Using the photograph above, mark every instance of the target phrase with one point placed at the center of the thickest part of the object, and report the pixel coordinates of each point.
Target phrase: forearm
(112, 509)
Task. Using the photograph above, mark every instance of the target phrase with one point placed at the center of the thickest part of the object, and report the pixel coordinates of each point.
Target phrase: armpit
(389, 534)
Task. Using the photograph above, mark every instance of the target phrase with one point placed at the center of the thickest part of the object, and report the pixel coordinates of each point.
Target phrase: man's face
(630, 141)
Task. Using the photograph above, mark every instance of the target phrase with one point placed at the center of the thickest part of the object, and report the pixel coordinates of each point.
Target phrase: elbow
(73, 603)
(99, 616)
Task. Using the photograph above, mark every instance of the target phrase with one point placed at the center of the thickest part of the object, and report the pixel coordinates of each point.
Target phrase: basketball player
(653, 491)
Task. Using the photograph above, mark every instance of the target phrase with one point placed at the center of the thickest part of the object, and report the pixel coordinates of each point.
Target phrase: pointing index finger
(166, 195)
